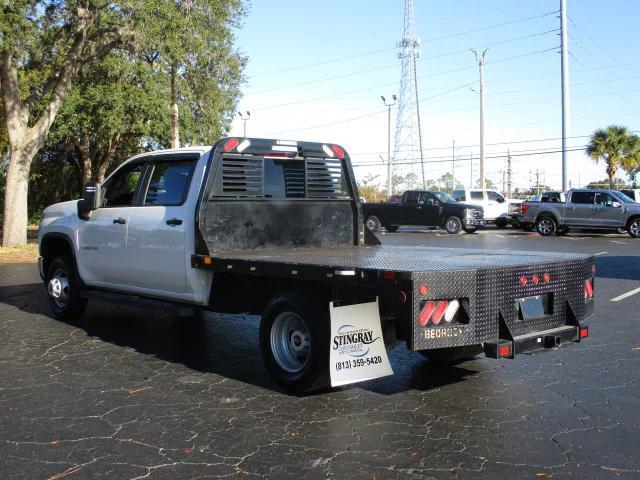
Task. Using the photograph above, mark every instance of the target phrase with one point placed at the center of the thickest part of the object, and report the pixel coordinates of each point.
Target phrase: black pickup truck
(423, 207)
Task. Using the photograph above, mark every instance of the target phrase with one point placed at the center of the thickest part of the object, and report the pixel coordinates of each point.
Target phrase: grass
(21, 254)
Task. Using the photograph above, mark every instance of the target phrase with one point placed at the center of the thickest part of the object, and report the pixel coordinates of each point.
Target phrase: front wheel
(373, 223)
(453, 225)
(546, 226)
(443, 357)
(294, 341)
(63, 287)
(634, 227)
(501, 223)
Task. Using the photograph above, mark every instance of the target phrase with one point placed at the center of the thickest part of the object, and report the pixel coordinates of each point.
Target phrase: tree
(44, 46)
(617, 147)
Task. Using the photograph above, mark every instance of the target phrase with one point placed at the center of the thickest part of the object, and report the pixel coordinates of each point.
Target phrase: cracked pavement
(134, 393)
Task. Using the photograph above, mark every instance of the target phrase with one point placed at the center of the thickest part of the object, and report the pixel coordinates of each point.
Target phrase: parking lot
(138, 393)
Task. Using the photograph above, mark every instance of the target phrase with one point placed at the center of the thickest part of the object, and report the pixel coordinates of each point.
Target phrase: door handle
(119, 221)
(174, 222)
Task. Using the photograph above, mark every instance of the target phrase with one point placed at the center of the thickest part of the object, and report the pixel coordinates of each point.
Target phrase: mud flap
(357, 352)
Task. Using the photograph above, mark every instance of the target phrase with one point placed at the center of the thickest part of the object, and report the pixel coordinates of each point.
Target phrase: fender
(69, 242)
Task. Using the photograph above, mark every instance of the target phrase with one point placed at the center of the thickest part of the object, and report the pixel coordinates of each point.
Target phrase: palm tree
(618, 147)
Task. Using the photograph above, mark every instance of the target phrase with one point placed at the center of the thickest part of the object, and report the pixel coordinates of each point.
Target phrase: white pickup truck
(275, 228)
(494, 204)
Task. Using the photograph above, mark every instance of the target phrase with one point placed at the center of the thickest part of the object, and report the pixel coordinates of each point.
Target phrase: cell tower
(408, 139)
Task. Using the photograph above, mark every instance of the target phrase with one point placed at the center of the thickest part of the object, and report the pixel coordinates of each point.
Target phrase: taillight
(338, 151)
(588, 288)
(435, 312)
(504, 351)
(524, 208)
(584, 332)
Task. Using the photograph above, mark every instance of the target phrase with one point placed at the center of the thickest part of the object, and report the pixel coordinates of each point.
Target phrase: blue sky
(317, 69)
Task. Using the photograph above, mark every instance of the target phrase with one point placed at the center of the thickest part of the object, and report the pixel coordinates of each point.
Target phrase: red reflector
(524, 208)
(426, 313)
(588, 289)
(230, 144)
(504, 351)
(423, 289)
(439, 313)
(584, 332)
(523, 280)
(535, 279)
(389, 275)
(338, 151)
(546, 277)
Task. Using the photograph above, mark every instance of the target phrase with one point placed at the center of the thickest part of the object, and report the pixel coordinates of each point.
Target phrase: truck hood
(466, 205)
(60, 209)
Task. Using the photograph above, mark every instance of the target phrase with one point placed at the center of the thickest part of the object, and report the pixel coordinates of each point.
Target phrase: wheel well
(546, 214)
(631, 219)
(53, 246)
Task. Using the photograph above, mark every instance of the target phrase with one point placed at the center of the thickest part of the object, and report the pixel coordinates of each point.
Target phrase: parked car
(585, 209)
(494, 204)
(423, 207)
(517, 217)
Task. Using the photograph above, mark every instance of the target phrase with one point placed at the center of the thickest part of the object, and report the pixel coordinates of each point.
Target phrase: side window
(604, 199)
(169, 183)
(582, 197)
(121, 188)
(476, 195)
(458, 195)
(424, 198)
(411, 198)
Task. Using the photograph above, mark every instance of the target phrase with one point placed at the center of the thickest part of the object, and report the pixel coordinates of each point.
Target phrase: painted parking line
(625, 295)
(600, 253)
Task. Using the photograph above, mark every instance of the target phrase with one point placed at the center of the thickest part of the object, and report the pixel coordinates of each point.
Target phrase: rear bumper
(535, 342)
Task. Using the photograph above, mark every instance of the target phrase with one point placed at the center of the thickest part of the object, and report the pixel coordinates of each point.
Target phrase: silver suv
(585, 209)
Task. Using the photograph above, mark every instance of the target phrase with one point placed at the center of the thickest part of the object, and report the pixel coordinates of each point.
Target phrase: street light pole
(244, 120)
(480, 60)
(565, 89)
(389, 170)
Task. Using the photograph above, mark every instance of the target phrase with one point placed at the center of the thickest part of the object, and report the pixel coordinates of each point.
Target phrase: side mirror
(500, 200)
(91, 199)
(616, 204)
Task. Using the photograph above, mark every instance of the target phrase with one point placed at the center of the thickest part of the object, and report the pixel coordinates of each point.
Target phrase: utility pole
(453, 165)
(471, 169)
(565, 89)
(244, 120)
(503, 172)
(389, 169)
(480, 60)
(508, 174)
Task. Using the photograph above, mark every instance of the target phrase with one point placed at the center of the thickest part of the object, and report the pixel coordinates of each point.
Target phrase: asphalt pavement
(138, 393)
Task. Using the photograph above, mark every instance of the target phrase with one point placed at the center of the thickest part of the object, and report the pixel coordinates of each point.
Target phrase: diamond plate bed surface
(399, 258)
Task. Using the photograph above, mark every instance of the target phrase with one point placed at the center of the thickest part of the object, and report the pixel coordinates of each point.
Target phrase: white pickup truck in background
(495, 205)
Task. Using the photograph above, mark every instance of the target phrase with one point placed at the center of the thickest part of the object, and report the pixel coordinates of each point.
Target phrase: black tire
(546, 225)
(373, 223)
(470, 229)
(562, 230)
(391, 228)
(443, 357)
(633, 227)
(501, 223)
(64, 289)
(292, 373)
(453, 225)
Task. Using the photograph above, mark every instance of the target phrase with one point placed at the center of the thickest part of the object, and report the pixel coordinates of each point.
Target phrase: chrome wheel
(290, 342)
(634, 228)
(58, 288)
(453, 225)
(373, 224)
(545, 226)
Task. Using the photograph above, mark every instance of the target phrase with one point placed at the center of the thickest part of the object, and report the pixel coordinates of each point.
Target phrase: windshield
(444, 197)
(622, 197)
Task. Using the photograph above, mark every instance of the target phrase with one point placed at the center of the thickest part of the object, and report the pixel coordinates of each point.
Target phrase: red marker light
(423, 289)
(338, 151)
(535, 279)
(230, 144)
(504, 351)
(523, 281)
(546, 277)
(584, 332)
(524, 208)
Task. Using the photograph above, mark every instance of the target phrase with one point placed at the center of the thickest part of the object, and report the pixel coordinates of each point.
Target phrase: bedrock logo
(353, 341)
